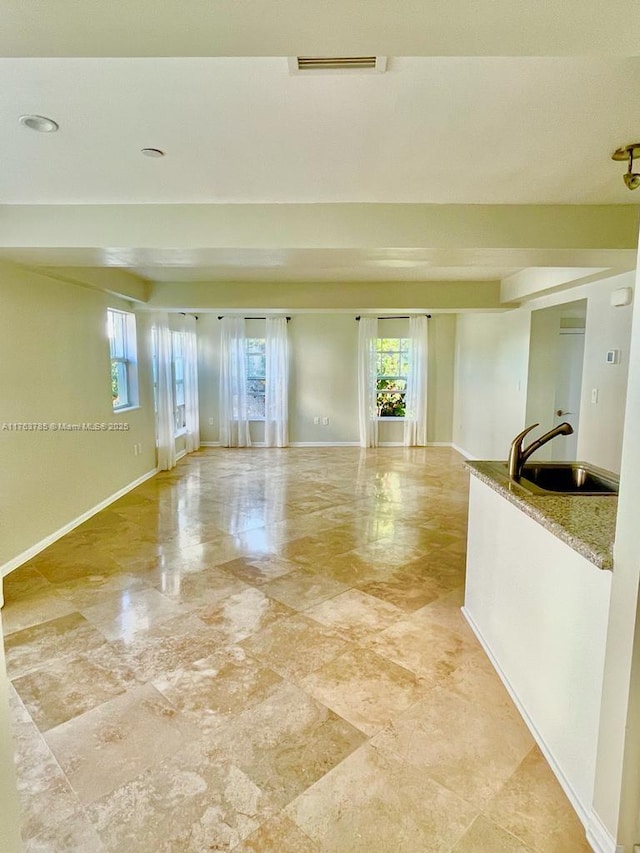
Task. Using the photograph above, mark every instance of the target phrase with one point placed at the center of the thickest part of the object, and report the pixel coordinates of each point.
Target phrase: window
(256, 378)
(177, 376)
(121, 327)
(392, 369)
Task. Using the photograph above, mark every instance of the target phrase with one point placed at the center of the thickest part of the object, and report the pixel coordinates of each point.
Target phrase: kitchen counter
(586, 523)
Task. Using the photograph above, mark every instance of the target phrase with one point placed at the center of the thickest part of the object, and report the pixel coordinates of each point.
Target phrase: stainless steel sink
(567, 478)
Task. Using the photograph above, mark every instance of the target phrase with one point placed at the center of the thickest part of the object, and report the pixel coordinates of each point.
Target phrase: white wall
(323, 377)
(492, 363)
(492, 352)
(602, 423)
(54, 367)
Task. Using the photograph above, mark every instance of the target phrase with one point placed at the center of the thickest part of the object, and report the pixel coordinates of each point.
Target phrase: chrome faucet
(518, 456)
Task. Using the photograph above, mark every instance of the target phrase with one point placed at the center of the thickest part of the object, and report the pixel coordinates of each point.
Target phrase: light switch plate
(613, 356)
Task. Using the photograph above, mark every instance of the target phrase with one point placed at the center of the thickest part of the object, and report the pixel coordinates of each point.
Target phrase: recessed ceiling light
(40, 123)
(152, 152)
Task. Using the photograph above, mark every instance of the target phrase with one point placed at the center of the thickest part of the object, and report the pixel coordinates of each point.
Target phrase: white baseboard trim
(210, 444)
(599, 836)
(463, 452)
(181, 455)
(583, 810)
(324, 444)
(30, 553)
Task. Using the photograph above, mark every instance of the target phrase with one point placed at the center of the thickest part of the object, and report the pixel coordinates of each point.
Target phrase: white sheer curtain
(165, 417)
(276, 427)
(234, 420)
(368, 381)
(415, 422)
(191, 406)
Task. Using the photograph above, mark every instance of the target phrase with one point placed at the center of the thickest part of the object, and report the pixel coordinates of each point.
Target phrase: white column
(616, 800)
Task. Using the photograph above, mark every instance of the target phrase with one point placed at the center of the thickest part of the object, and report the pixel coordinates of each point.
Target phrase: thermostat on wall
(613, 356)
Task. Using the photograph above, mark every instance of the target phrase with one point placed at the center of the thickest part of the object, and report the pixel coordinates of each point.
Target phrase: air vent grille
(338, 63)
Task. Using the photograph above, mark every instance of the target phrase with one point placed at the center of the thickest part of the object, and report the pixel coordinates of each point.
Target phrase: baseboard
(324, 444)
(30, 553)
(582, 810)
(599, 836)
(181, 455)
(337, 444)
(463, 452)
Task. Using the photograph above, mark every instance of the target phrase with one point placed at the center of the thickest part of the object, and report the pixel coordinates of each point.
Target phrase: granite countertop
(587, 523)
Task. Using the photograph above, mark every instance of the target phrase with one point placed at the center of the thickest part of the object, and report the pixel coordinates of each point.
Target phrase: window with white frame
(121, 327)
(392, 363)
(177, 375)
(256, 378)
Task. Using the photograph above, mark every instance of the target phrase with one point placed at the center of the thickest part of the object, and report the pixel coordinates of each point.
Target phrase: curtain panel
(276, 427)
(234, 420)
(368, 381)
(191, 404)
(165, 424)
(415, 422)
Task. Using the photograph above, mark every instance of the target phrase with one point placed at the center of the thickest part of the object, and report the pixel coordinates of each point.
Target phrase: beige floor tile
(285, 743)
(24, 581)
(46, 797)
(123, 614)
(76, 834)
(113, 743)
(355, 614)
(243, 614)
(425, 648)
(67, 636)
(533, 807)
(373, 802)
(207, 588)
(365, 689)
(260, 571)
(190, 802)
(303, 588)
(59, 691)
(405, 587)
(42, 606)
(278, 834)
(166, 647)
(213, 689)
(468, 748)
(83, 592)
(485, 837)
(295, 646)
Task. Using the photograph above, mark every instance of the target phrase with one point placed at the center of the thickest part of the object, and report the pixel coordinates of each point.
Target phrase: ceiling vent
(309, 64)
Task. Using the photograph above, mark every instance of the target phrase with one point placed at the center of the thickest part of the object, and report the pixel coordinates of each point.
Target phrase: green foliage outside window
(392, 369)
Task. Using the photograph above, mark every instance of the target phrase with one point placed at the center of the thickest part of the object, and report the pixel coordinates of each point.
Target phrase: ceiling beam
(120, 230)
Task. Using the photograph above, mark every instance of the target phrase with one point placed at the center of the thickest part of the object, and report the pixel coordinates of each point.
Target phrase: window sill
(256, 420)
(180, 432)
(391, 418)
(125, 410)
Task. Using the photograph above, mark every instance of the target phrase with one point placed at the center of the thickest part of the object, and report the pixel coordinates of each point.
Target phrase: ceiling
(443, 130)
(508, 103)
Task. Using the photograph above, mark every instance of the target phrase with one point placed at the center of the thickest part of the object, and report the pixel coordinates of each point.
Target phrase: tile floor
(263, 651)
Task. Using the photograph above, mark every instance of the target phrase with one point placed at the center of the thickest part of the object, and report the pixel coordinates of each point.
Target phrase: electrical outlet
(135, 449)
(210, 421)
(316, 421)
(594, 395)
(325, 421)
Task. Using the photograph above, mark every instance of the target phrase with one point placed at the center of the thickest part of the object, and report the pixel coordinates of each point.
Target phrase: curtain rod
(220, 317)
(397, 317)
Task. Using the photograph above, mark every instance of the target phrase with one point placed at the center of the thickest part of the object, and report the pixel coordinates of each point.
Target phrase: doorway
(554, 389)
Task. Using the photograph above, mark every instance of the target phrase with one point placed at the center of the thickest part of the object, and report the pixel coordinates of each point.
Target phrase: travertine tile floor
(262, 650)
